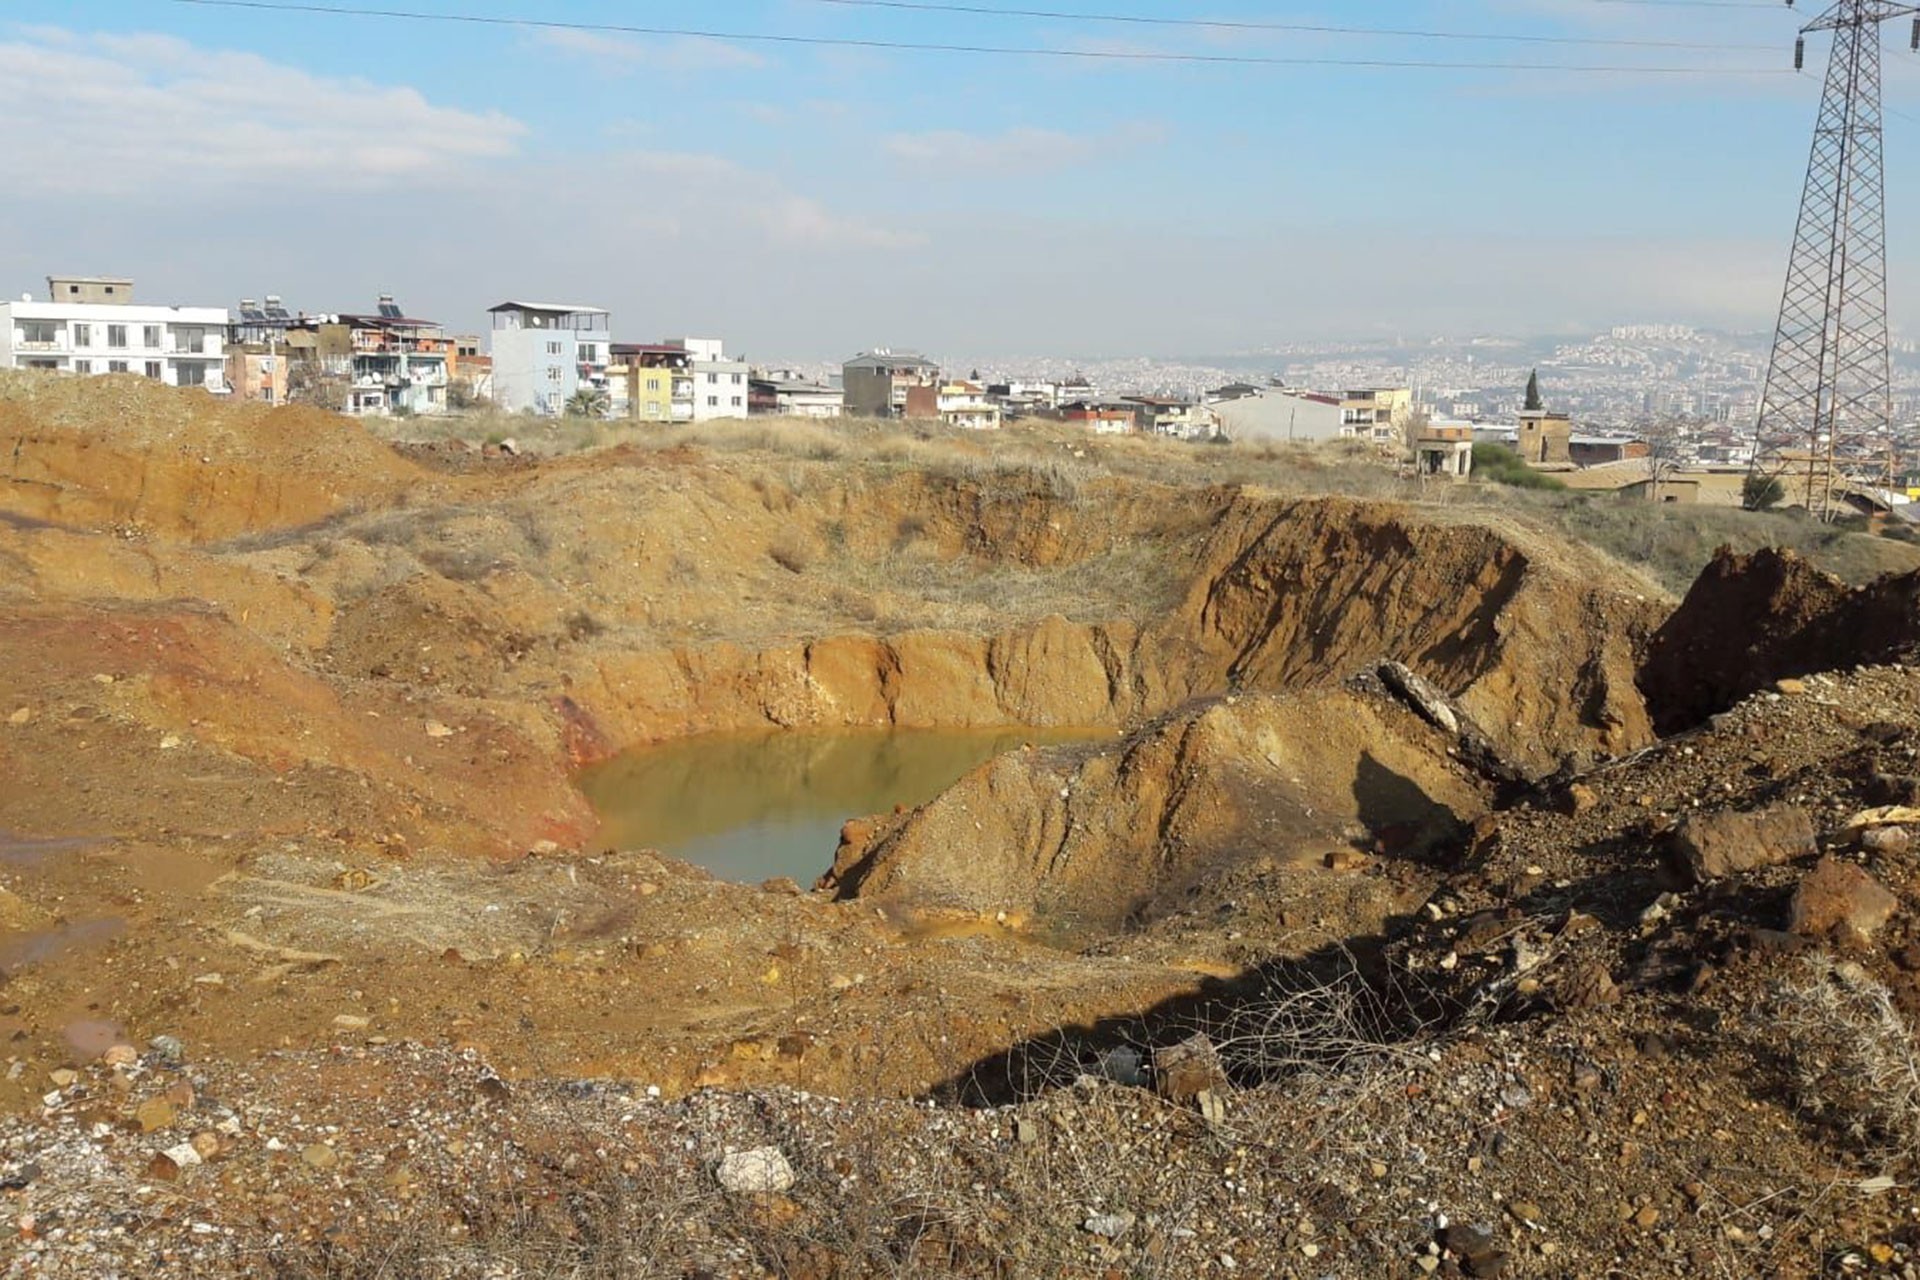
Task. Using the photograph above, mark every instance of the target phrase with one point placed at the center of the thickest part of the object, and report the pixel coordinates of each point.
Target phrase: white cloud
(621, 55)
(116, 115)
(1021, 148)
(712, 191)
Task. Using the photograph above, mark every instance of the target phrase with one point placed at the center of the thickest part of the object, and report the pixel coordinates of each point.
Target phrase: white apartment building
(719, 384)
(90, 325)
(544, 352)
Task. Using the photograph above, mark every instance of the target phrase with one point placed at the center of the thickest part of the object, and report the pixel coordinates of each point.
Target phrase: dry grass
(1854, 1064)
(1668, 543)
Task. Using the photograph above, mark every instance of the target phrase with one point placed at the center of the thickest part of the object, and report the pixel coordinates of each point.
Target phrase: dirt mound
(1096, 834)
(1753, 619)
(1311, 592)
(128, 454)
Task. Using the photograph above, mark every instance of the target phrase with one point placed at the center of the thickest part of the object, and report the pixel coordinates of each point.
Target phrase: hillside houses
(558, 359)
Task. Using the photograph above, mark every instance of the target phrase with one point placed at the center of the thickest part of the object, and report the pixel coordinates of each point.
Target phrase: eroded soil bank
(293, 722)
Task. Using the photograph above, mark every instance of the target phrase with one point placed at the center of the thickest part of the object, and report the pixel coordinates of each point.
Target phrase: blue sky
(809, 200)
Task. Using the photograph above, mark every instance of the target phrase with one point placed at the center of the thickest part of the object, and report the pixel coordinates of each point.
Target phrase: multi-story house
(957, 404)
(91, 325)
(544, 352)
(719, 381)
(876, 382)
(1379, 414)
(257, 366)
(651, 382)
(383, 363)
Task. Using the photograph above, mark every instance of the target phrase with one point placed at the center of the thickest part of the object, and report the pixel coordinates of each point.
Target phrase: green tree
(1501, 465)
(1533, 390)
(1761, 493)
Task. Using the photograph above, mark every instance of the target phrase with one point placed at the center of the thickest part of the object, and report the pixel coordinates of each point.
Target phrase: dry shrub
(1852, 1056)
(1321, 1019)
(792, 553)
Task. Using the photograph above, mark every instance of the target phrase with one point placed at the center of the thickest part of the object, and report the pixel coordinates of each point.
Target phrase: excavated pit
(339, 713)
(564, 612)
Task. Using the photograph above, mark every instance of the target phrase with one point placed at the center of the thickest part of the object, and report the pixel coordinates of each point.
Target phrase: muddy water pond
(751, 806)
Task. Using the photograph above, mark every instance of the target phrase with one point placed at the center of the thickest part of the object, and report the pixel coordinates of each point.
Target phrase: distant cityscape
(1623, 379)
(1604, 397)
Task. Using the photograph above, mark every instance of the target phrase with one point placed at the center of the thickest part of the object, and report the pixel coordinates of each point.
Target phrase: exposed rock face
(1285, 595)
(1293, 594)
(1751, 620)
(1098, 832)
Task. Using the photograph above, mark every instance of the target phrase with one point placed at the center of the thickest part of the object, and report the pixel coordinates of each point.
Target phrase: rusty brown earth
(292, 718)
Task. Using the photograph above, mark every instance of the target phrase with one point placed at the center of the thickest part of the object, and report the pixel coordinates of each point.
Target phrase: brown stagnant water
(748, 807)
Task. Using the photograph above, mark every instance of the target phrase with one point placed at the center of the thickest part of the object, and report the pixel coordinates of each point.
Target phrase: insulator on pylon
(1916, 33)
(1800, 54)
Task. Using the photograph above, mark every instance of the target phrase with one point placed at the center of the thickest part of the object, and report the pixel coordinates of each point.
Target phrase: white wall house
(965, 404)
(543, 352)
(180, 346)
(720, 387)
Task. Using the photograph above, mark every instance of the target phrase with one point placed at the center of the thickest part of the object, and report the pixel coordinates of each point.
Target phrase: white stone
(761, 1171)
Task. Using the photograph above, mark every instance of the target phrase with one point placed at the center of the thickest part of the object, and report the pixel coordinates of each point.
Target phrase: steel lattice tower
(1829, 383)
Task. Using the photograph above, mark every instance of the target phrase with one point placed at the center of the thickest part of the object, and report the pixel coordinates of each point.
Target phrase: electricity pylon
(1829, 383)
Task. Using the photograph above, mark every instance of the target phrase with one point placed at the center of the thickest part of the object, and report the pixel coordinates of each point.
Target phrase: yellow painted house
(650, 382)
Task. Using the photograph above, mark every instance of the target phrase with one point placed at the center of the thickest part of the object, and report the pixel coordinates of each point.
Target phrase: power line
(916, 46)
(1303, 28)
(1696, 4)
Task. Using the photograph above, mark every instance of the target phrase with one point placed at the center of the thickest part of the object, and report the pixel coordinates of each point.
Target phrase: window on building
(553, 373)
(117, 337)
(153, 369)
(589, 352)
(150, 337)
(82, 335)
(736, 402)
(653, 408)
(553, 348)
(736, 382)
(190, 340)
(653, 384)
(712, 378)
(116, 366)
(713, 402)
(83, 366)
(39, 333)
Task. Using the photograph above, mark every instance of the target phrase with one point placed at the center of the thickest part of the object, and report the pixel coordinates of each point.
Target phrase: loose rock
(1709, 846)
(1839, 900)
(761, 1171)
